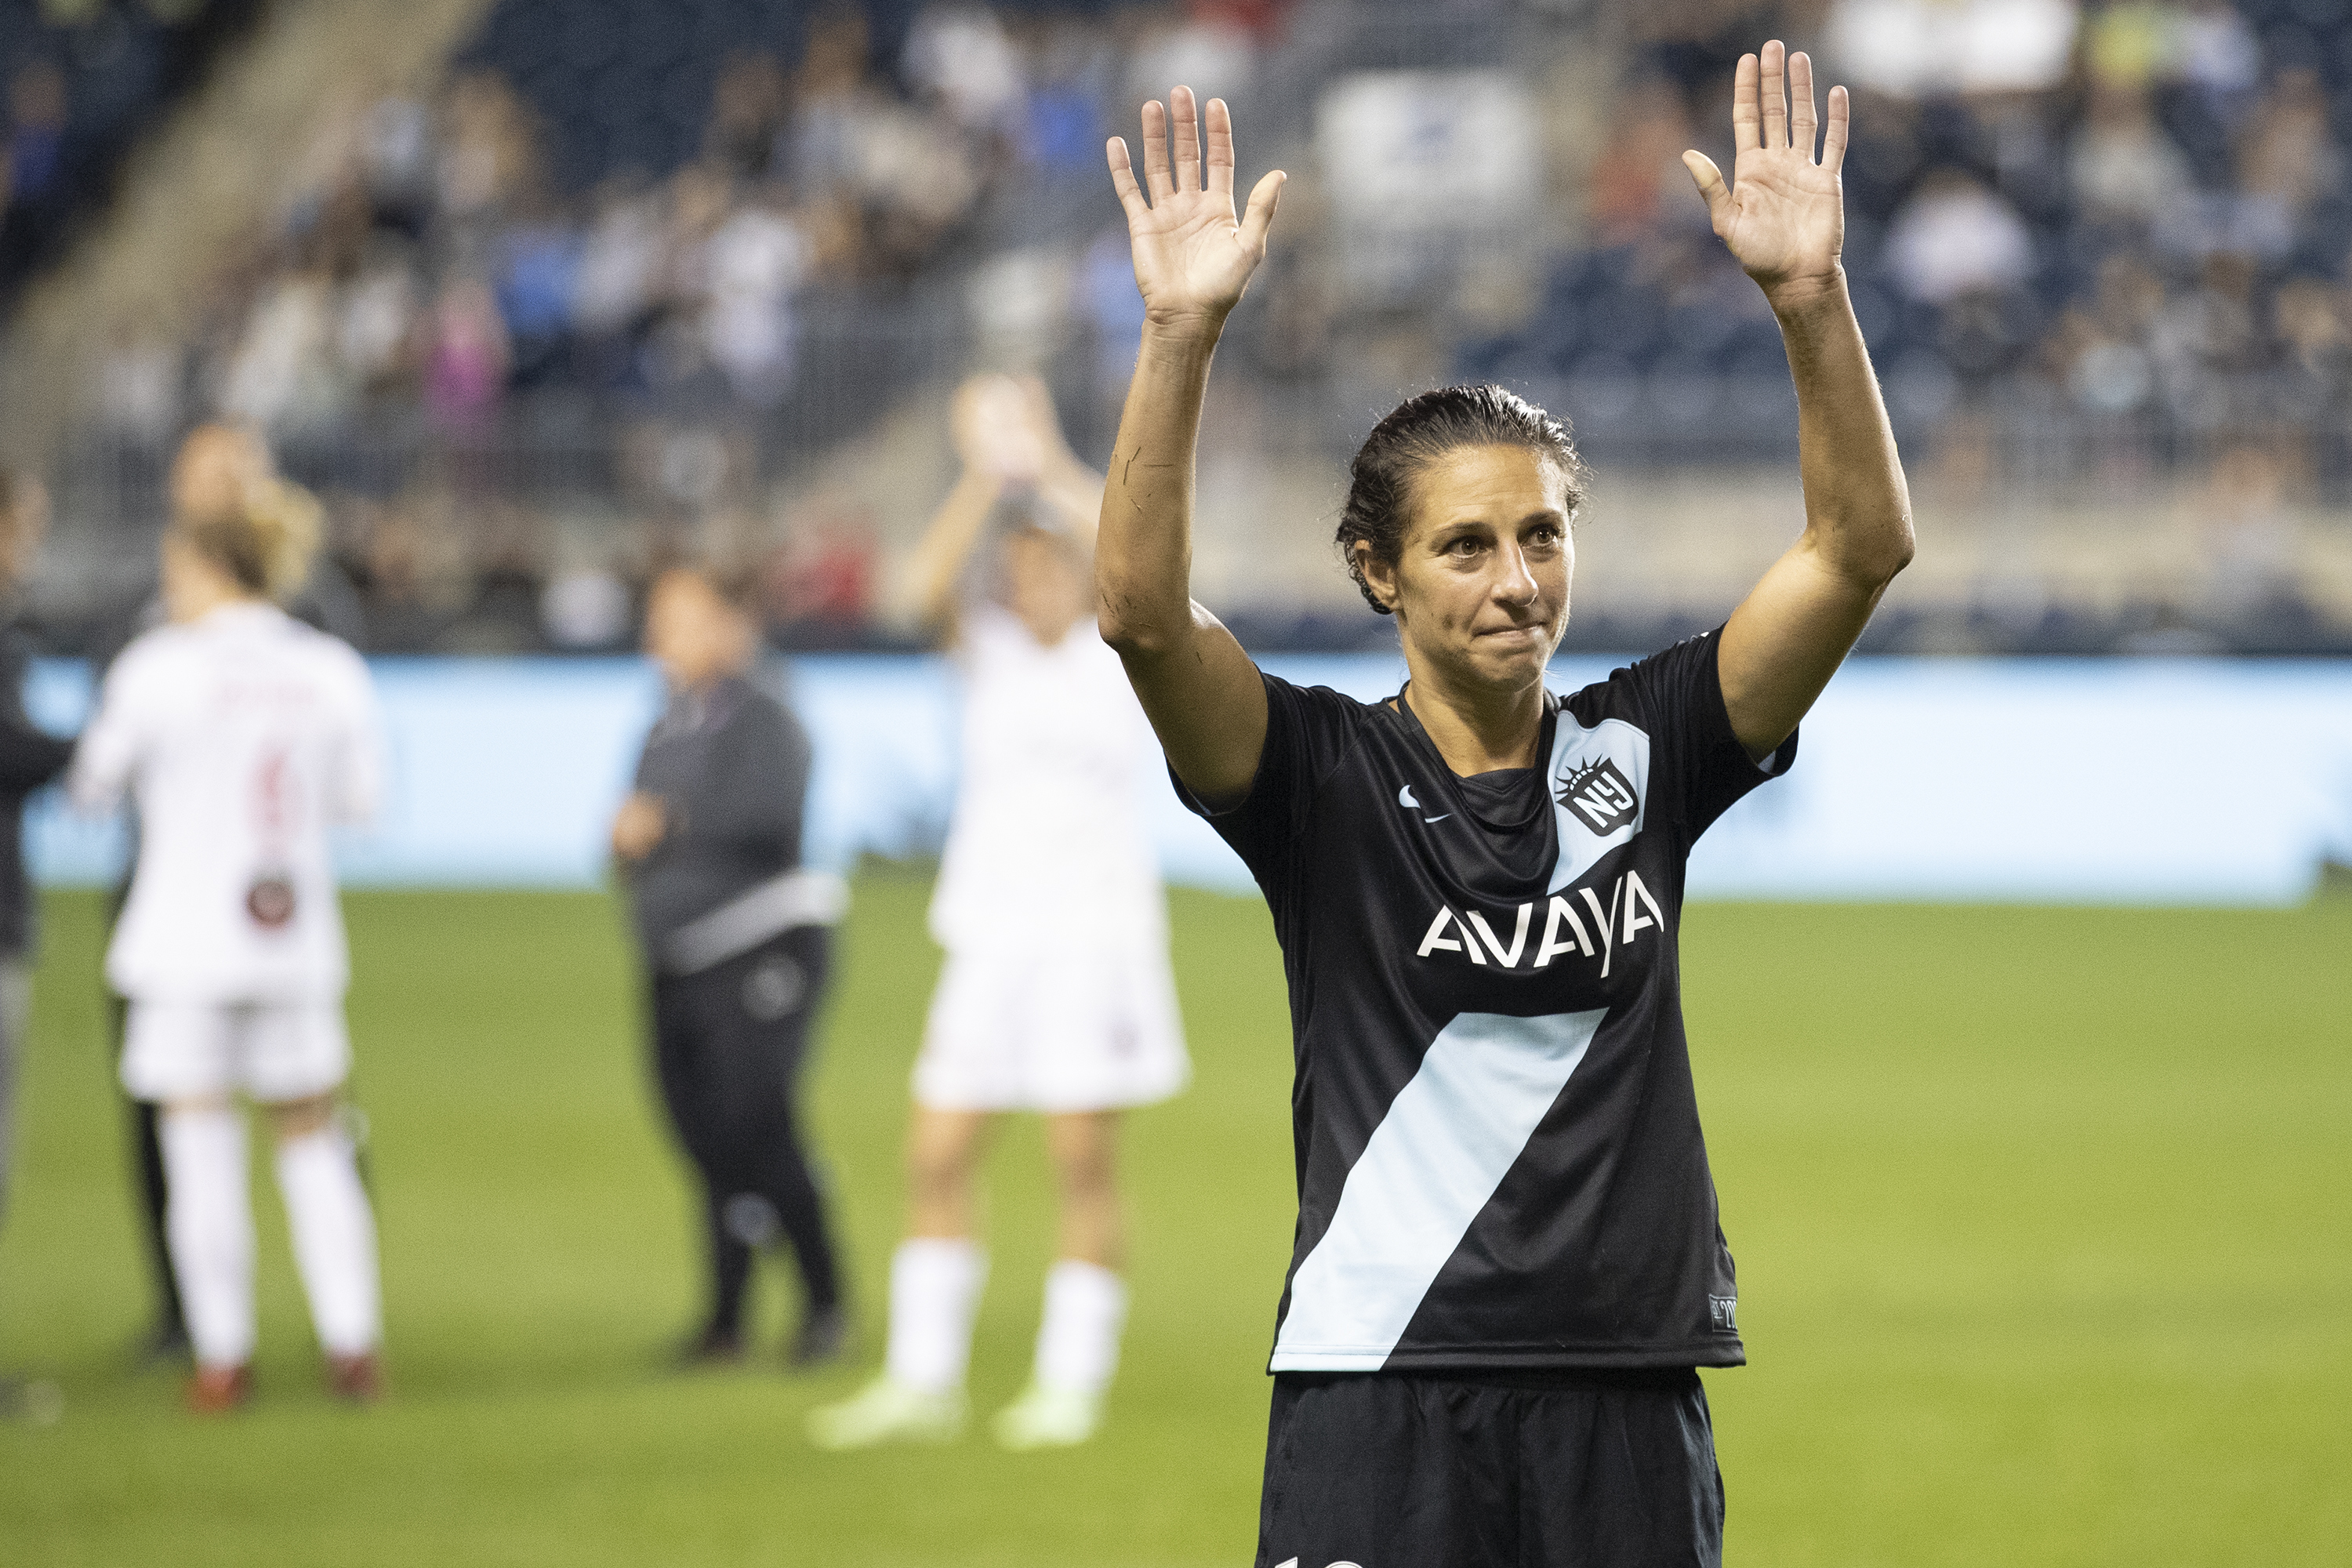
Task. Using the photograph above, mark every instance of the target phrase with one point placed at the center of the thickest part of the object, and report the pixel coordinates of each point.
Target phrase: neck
(1049, 623)
(198, 600)
(1477, 728)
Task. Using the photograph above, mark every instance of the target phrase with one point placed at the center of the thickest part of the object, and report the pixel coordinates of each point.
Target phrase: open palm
(1782, 215)
(1193, 257)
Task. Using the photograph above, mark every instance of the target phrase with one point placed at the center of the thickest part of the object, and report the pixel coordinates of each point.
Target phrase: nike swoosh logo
(1426, 820)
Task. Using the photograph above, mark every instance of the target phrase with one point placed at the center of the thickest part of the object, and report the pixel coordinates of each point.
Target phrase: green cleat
(886, 1411)
(1047, 1418)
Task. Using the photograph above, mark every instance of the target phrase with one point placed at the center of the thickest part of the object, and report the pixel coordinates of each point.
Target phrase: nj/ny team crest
(1599, 795)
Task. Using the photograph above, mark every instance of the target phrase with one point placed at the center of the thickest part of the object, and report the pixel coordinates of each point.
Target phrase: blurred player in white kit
(1057, 995)
(241, 735)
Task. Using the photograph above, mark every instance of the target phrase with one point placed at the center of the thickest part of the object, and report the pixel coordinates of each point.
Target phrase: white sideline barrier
(2208, 782)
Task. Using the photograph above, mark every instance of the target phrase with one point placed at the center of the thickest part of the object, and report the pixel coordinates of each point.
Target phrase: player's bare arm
(989, 451)
(1782, 215)
(1070, 492)
(1193, 257)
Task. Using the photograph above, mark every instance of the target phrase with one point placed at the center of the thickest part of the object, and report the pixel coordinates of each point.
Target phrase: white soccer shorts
(270, 1051)
(1063, 1029)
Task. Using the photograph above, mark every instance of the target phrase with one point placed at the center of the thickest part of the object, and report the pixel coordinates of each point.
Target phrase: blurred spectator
(1953, 238)
(465, 358)
(139, 391)
(1921, 48)
(2312, 329)
(748, 106)
(2123, 167)
(958, 56)
(819, 587)
(282, 374)
(585, 609)
(1067, 117)
(2248, 535)
(37, 129)
(754, 261)
(2219, 60)
(2131, 45)
(2288, 158)
(1211, 53)
(1641, 167)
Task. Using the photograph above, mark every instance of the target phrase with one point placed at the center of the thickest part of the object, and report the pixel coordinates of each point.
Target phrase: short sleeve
(1698, 769)
(108, 753)
(1309, 731)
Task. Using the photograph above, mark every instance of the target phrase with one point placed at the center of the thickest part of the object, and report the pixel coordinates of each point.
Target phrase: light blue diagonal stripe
(1436, 1157)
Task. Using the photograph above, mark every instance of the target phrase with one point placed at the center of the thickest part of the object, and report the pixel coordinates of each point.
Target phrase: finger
(1186, 113)
(1259, 218)
(1745, 136)
(1220, 126)
(1122, 179)
(1801, 123)
(1711, 188)
(1776, 96)
(1833, 140)
(1155, 153)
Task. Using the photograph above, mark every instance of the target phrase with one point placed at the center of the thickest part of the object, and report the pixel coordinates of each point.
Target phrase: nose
(1514, 580)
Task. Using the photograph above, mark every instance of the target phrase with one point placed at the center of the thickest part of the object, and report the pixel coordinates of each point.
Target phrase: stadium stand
(82, 81)
(626, 278)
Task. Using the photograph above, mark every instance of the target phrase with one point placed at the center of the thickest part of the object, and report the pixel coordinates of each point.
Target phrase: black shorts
(1387, 1471)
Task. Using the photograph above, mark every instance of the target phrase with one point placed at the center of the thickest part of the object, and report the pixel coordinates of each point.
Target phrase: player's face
(693, 634)
(214, 472)
(1044, 583)
(1480, 587)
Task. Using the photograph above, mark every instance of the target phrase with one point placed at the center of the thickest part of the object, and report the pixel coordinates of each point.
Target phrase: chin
(1510, 665)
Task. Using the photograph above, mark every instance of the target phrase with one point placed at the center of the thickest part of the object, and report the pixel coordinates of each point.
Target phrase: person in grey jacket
(735, 938)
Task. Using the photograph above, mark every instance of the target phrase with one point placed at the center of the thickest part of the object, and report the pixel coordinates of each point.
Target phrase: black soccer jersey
(1499, 1148)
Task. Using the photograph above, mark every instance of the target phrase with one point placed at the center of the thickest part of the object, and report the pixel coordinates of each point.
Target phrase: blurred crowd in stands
(78, 80)
(547, 239)
(527, 227)
(2133, 214)
(633, 252)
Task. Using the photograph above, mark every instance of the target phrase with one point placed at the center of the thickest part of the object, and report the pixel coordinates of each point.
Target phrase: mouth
(1528, 634)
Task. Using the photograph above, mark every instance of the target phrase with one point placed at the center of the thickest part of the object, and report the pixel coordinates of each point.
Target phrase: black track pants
(1381, 1470)
(147, 1180)
(728, 1047)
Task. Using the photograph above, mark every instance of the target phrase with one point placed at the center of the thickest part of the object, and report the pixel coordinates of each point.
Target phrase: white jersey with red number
(242, 736)
(1047, 847)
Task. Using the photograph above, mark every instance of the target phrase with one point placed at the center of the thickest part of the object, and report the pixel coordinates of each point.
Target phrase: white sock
(334, 1240)
(1078, 1343)
(934, 1296)
(208, 1227)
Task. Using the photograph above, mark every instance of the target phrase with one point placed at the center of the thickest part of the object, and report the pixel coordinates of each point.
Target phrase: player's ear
(1379, 575)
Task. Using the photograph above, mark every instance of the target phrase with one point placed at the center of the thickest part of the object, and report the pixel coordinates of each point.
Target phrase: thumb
(1259, 215)
(1711, 188)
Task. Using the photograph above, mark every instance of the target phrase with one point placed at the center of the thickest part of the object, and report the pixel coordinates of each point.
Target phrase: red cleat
(356, 1379)
(217, 1390)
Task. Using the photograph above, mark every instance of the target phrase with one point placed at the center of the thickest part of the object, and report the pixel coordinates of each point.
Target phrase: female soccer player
(243, 734)
(1056, 996)
(1507, 1265)
(736, 942)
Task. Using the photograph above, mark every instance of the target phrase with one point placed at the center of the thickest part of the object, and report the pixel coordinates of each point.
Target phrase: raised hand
(1782, 215)
(1193, 257)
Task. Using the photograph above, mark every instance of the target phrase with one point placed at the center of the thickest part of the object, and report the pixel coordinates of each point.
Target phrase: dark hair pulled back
(1418, 432)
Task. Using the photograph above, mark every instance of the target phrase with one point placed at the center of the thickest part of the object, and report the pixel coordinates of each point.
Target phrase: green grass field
(2044, 1220)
